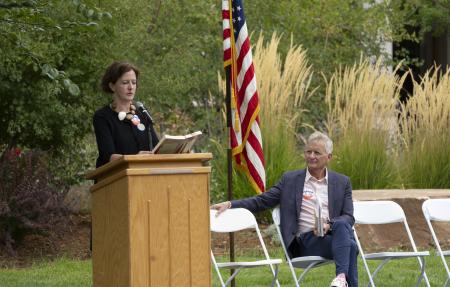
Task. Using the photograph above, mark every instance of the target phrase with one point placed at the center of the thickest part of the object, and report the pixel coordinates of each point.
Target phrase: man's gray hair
(318, 136)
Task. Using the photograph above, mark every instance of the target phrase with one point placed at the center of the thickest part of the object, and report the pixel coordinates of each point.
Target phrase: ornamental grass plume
(283, 87)
(362, 119)
(425, 132)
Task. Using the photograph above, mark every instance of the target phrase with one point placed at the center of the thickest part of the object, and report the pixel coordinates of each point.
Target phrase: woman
(120, 128)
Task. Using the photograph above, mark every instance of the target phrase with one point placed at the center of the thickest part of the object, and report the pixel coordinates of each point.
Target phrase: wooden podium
(150, 221)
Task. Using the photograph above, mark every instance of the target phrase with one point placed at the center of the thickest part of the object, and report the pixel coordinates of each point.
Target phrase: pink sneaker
(339, 281)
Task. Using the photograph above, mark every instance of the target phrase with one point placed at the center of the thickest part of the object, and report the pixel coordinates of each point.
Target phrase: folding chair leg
(297, 284)
(232, 276)
(422, 273)
(304, 272)
(361, 252)
(217, 270)
(275, 277)
(439, 251)
(379, 267)
(371, 283)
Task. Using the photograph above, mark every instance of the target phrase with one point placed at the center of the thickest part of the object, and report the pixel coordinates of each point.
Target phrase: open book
(176, 144)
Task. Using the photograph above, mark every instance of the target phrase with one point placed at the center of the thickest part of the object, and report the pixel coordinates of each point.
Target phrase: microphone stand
(142, 108)
(150, 137)
(150, 127)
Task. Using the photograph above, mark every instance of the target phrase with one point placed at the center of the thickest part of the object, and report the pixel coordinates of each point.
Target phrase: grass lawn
(397, 273)
(62, 272)
(69, 273)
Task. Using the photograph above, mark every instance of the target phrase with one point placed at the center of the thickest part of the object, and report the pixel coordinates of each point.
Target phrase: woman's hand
(115, 156)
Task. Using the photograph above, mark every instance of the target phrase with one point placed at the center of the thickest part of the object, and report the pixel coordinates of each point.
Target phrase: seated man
(299, 193)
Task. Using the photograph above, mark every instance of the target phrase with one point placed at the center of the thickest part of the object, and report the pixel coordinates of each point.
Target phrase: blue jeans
(338, 245)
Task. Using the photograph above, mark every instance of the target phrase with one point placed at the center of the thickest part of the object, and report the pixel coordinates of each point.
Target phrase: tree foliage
(53, 53)
(48, 66)
(177, 45)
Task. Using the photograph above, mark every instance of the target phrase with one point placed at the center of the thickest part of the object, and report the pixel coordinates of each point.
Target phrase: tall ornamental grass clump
(362, 121)
(282, 88)
(425, 133)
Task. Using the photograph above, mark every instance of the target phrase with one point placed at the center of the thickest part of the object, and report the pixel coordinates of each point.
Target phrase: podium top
(148, 161)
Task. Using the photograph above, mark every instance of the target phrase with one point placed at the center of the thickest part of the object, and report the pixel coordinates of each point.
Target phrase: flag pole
(229, 158)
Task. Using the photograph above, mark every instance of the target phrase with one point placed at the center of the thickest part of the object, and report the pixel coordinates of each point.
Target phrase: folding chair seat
(234, 220)
(438, 210)
(385, 212)
(306, 262)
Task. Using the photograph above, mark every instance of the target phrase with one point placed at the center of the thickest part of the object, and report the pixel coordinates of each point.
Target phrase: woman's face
(125, 87)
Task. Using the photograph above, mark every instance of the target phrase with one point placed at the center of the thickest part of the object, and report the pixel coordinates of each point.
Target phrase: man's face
(316, 156)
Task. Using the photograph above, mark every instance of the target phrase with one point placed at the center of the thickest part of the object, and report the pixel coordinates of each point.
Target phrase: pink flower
(17, 151)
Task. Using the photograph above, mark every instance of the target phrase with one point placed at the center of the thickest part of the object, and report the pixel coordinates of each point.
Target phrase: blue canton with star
(238, 17)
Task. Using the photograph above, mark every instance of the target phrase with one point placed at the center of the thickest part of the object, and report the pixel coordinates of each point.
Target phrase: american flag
(246, 140)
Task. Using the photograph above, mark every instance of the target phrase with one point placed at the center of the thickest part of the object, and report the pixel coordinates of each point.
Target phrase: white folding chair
(384, 212)
(306, 262)
(438, 210)
(233, 220)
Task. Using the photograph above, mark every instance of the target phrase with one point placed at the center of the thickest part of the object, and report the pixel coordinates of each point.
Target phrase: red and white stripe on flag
(246, 140)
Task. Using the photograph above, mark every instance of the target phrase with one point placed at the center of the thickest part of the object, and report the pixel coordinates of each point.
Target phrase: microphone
(143, 110)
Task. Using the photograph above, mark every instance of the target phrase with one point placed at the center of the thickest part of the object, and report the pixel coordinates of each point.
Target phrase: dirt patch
(375, 238)
(70, 240)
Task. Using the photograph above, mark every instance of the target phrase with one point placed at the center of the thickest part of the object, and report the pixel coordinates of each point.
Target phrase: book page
(191, 139)
(169, 145)
(176, 144)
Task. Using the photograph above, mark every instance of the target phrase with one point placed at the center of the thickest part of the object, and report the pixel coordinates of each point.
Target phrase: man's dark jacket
(288, 194)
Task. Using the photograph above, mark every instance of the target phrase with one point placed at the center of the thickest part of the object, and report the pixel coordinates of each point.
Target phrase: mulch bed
(70, 240)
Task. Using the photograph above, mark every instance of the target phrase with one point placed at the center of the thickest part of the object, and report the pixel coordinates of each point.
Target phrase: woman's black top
(120, 137)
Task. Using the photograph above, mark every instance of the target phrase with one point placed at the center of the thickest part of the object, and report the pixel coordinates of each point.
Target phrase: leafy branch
(23, 4)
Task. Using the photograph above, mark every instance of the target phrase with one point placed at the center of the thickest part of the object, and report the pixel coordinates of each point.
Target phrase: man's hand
(221, 207)
(326, 229)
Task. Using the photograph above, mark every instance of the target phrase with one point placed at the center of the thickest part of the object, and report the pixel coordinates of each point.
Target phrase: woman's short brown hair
(114, 72)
